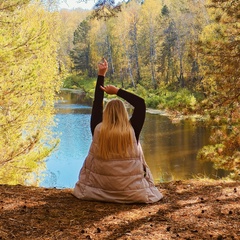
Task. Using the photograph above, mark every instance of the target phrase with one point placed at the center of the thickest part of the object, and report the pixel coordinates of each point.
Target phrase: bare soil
(190, 209)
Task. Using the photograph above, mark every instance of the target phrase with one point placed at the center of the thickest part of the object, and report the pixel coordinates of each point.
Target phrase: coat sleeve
(138, 117)
(97, 108)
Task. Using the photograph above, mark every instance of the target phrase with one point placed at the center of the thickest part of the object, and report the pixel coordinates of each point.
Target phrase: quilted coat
(116, 180)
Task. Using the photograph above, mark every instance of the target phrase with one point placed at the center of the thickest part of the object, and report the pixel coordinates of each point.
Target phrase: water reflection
(170, 149)
(73, 116)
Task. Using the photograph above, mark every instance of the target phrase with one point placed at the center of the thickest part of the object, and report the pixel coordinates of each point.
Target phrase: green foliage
(152, 46)
(139, 90)
(172, 100)
(153, 101)
(148, 43)
(72, 81)
(162, 99)
(28, 83)
(28, 170)
(79, 81)
(80, 54)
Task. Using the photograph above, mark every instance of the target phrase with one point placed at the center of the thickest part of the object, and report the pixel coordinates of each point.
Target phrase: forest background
(180, 56)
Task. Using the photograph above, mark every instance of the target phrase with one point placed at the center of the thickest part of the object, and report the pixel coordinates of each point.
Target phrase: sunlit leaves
(155, 44)
(28, 82)
(221, 66)
(69, 20)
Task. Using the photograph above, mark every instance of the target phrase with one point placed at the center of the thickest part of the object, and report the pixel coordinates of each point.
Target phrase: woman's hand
(102, 67)
(110, 89)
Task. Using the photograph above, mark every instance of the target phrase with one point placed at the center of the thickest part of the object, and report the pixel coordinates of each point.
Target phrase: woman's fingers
(106, 89)
(103, 62)
(103, 88)
(110, 89)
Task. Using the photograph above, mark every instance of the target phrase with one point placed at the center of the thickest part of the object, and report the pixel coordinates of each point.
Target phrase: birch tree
(150, 12)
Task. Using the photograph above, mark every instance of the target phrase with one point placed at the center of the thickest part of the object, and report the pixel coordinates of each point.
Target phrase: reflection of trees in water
(171, 149)
(72, 96)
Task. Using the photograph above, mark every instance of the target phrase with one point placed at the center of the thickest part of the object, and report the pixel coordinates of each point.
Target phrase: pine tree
(81, 51)
(221, 62)
(28, 83)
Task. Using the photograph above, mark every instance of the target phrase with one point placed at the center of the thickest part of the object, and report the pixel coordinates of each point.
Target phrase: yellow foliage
(28, 81)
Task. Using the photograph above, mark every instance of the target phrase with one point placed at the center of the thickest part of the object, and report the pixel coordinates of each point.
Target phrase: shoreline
(174, 116)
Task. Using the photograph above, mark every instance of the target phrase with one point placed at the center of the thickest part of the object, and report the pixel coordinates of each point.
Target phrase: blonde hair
(116, 132)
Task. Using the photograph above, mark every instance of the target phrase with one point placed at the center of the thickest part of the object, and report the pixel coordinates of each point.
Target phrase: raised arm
(97, 108)
(138, 117)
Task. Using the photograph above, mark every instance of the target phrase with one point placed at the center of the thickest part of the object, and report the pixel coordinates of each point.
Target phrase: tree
(221, 65)
(133, 36)
(28, 83)
(150, 12)
(11, 5)
(105, 9)
(121, 46)
(183, 22)
(81, 51)
(70, 20)
(168, 52)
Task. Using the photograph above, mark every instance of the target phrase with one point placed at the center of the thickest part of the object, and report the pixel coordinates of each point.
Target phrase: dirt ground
(189, 210)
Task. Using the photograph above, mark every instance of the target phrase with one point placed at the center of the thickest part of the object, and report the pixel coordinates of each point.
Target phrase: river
(170, 149)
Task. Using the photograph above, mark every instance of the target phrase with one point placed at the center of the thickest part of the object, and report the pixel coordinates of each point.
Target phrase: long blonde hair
(116, 133)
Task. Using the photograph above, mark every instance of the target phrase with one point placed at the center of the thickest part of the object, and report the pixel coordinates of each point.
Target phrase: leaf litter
(190, 209)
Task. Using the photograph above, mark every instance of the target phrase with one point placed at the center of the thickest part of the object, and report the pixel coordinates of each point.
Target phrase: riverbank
(174, 115)
(191, 209)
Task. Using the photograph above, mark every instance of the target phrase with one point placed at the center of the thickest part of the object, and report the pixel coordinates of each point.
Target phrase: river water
(170, 149)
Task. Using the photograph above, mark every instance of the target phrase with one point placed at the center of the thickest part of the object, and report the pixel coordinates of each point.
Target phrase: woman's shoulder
(98, 127)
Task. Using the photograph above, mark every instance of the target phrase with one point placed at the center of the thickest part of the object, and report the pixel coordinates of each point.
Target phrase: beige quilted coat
(116, 180)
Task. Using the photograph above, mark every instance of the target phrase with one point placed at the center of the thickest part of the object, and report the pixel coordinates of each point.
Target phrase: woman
(114, 169)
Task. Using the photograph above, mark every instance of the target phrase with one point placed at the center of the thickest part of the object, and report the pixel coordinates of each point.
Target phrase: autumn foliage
(179, 55)
(28, 83)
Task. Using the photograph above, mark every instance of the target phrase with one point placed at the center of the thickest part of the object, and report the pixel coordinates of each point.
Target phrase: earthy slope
(189, 210)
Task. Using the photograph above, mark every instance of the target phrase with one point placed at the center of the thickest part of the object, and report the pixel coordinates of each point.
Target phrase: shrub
(152, 101)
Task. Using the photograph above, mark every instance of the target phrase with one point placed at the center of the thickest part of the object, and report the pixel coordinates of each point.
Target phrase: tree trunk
(181, 80)
(110, 58)
(138, 77)
(152, 56)
(129, 65)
